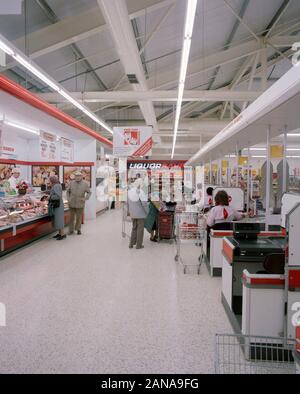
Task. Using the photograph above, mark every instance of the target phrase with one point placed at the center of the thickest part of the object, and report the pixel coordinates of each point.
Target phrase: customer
(222, 212)
(138, 211)
(56, 208)
(151, 222)
(78, 193)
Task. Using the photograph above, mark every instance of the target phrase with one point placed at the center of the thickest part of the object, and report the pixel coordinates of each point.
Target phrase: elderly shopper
(138, 211)
(78, 193)
(56, 208)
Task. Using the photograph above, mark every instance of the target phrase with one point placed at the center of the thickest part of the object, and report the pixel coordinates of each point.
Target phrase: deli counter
(24, 219)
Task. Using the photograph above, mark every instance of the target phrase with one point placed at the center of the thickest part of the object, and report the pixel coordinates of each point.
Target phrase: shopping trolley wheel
(176, 258)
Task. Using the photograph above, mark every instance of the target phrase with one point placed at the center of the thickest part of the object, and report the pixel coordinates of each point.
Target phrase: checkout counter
(214, 255)
(245, 251)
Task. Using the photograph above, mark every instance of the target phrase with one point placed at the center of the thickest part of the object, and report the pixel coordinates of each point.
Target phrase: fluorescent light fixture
(293, 135)
(8, 48)
(293, 149)
(36, 72)
(188, 32)
(190, 18)
(21, 127)
(293, 157)
(259, 157)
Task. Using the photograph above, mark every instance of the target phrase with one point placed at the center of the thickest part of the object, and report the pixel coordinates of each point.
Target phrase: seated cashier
(222, 212)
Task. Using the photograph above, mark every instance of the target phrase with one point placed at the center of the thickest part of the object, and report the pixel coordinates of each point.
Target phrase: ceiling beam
(116, 16)
(156, 95)
(79, 27)
(277, 17)
(54, 19)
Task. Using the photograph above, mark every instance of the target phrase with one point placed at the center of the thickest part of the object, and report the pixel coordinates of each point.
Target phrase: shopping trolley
(189, 229)
(254, 355)
(125, 220)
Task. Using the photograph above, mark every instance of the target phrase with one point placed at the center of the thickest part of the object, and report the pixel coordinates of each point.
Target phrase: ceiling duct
(132, 78)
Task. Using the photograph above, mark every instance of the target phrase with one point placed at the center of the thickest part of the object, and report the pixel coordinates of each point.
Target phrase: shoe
(71, 232)
(56, 236)
(153, 239)
(140, 247)
(61, 237)
(79, 232)
(130, 247)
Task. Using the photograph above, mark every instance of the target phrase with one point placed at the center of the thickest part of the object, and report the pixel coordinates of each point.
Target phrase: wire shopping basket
(254, 355)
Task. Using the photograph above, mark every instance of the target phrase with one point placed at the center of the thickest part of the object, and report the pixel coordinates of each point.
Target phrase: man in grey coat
(78, 193)
(138, 210)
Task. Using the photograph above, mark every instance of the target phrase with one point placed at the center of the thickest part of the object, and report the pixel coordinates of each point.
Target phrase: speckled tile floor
(91, 305)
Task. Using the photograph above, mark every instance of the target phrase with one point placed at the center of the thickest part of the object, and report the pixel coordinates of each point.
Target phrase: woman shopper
(222, 212)
(56, 208)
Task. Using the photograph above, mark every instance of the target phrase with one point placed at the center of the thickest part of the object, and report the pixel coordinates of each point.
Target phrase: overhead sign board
(133, 141)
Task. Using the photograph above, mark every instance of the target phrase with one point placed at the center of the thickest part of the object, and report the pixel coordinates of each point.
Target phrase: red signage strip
(18, 91)
(144, 149)
(264, 281)
(294, 279)
(46, 163)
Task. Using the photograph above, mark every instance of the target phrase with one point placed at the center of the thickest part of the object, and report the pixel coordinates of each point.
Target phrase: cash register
(249, 247)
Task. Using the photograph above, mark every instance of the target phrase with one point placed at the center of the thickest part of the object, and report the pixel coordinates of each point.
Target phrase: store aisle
(91, 305)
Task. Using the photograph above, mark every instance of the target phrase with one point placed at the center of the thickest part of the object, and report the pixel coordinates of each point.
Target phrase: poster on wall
(5, 174)
(70, 170)
(133, 141)
(41, 174)
(48, 146)
(66, 150)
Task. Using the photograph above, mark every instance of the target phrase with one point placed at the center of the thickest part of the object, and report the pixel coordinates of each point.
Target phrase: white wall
(27, 144)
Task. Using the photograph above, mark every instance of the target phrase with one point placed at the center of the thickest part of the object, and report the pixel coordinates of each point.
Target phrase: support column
(269, 180)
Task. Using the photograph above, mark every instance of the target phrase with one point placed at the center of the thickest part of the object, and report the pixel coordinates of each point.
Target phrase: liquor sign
(48, 146)
(150, 165)
(133, 141)
(67, 150)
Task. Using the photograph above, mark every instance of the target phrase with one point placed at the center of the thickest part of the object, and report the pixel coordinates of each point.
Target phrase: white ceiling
(215, 23)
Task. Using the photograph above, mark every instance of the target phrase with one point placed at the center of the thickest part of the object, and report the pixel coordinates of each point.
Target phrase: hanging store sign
(133, 141)
(154, 164)
(48, 146)
(277, 151)
(66, 150)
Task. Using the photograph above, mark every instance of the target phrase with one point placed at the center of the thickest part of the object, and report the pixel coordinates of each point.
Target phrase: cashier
(14, 179)
(222, 212)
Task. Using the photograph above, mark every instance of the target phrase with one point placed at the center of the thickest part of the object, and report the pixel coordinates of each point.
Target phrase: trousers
(137, 233)
(75, 219)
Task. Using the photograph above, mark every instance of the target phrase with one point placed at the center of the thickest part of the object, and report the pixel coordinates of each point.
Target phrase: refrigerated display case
(24, 219)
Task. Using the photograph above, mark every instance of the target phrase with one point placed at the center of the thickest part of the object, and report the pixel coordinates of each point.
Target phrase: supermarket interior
(150, 187)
